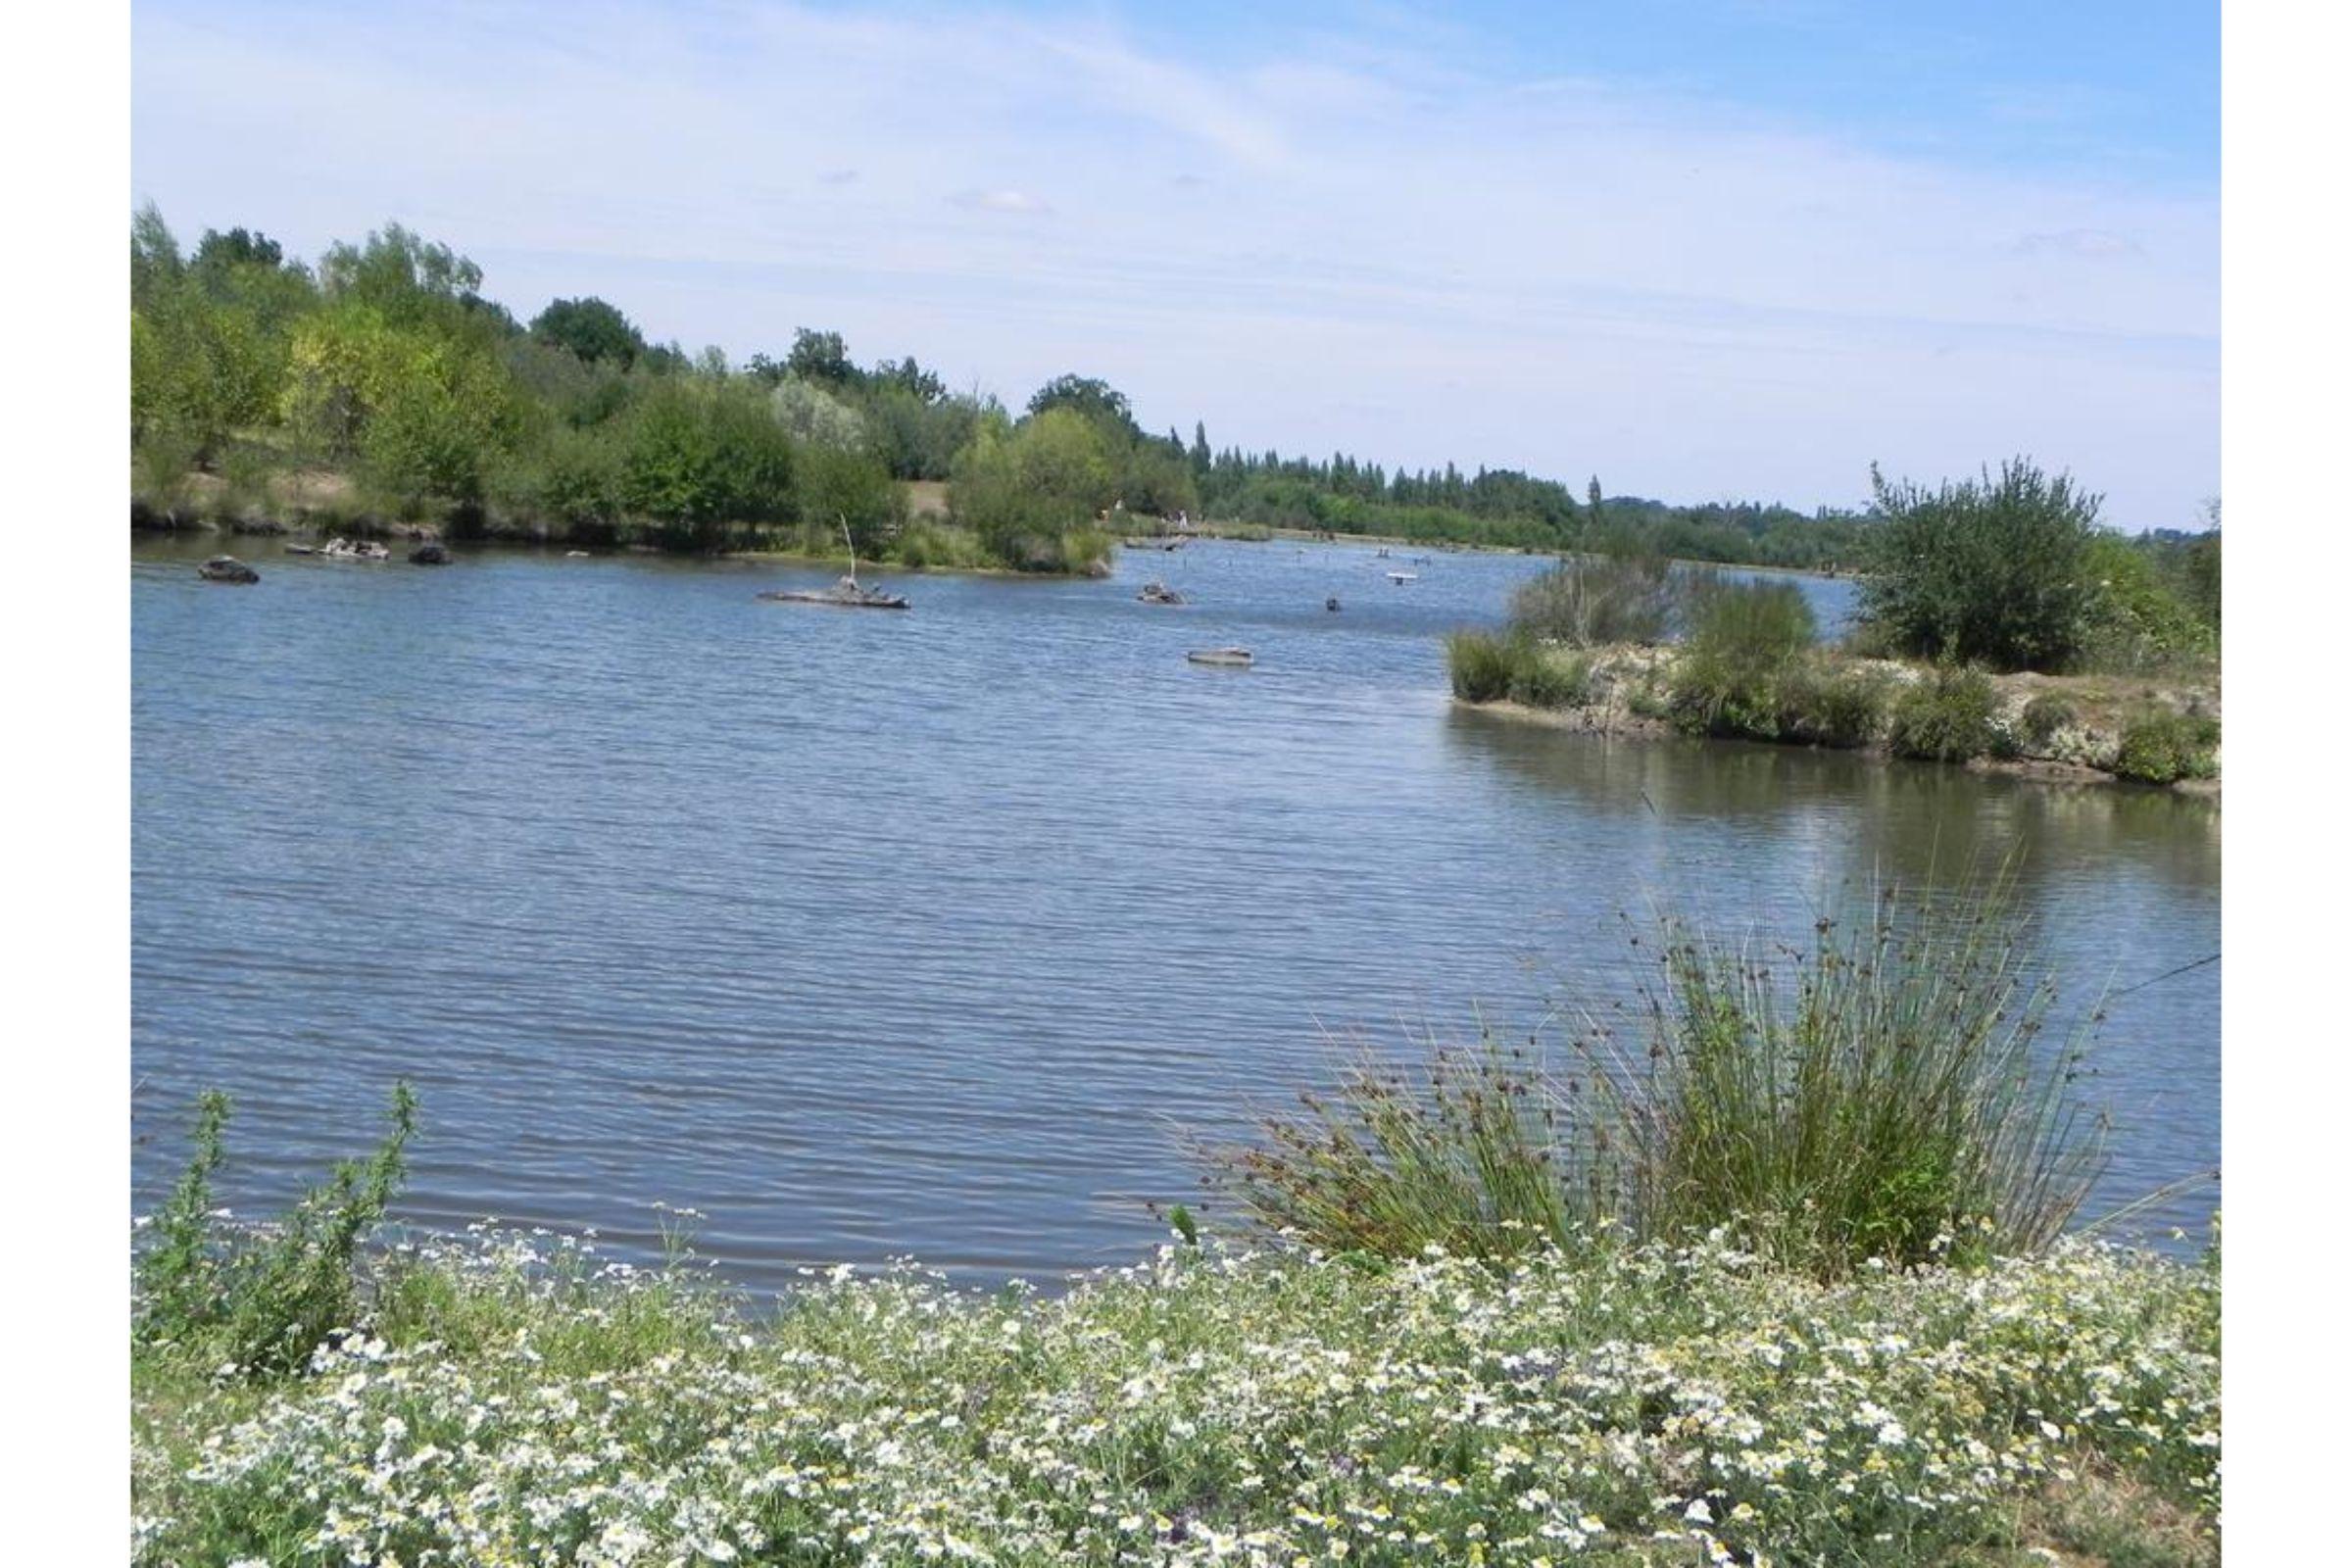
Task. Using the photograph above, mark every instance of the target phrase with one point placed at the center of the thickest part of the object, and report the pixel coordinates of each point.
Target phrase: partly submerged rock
(432, 553)
(228, 569)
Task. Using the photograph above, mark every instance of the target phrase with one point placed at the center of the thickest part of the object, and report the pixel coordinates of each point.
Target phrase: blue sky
(1702, 248)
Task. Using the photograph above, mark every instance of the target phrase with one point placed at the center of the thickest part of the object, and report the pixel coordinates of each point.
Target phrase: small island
(2001, 627)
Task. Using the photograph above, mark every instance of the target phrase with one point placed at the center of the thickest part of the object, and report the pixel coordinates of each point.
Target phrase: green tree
(837, 486)
(820, 357)
(447, 412)
(199, 369)
(591, 329)
(1994, 570)
(905, 373)
(698, 458)
(240, 247)
(815, 417)
(1096, 399)
(154, 258)
(1023, 487)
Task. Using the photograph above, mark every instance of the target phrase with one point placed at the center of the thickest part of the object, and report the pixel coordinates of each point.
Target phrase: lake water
(871, 935)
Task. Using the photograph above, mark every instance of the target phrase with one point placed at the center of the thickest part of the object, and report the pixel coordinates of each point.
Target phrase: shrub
(1461, 1155)
(574, 479)
(2043, 717)
(1480, 665)
(1946, 715)
(939, 545)
(2135, 620)
(1882, 1093)
(1991, 571)
(161, 461)
(2164, 748)
(1542, 678)
(1587, 600)
(262, 1298)
(1825, 703)
(1488, 668)
(1746, 649)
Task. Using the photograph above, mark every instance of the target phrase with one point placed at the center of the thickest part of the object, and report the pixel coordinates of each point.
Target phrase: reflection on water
(872, 935)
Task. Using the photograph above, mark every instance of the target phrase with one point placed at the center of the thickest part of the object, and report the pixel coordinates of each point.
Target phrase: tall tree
(590, 328)
(820, 357)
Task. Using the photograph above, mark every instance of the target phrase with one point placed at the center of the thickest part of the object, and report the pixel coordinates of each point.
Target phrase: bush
(1991, 571)
(574, 479)
(1590, 601)
(1880, 1095)
(2164, 748)
(161, 461)
(1947, 715)
(1746, 650)
(1481, 666)
(2135, 622)
(261, 1299)
(940, 546)
(1461, 1154)
(1824, 702)
(1486, 667)
(2043, 717)
(1541, 678)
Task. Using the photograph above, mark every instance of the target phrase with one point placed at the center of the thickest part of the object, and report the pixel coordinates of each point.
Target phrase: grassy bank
(516, 1403)
(1775, 1278)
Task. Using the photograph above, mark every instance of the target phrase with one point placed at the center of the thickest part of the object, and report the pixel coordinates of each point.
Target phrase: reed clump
(1881, 1091)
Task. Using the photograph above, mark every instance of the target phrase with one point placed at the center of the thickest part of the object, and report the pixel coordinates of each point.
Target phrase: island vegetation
(379, 390)
(1999, 622)
(1792, 1271)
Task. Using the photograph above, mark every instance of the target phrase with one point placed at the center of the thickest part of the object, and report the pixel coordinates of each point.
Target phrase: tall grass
(1879, 1093)
(1464, 1155)
(1589, 601)
(1743, 661)
(1882, 1092)
(1487, 667)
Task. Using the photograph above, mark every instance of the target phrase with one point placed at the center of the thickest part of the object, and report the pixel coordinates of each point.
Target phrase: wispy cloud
(2090, 244)
(1691, 296)
(1018, 202)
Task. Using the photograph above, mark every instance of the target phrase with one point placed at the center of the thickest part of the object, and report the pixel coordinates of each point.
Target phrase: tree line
(378, 384)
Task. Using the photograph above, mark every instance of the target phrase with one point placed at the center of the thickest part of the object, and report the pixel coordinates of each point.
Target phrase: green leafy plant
(1748, 644)
(261, 1299)
(1995, 570)
(2166, 747)
(1951, 714)
(2043, 716)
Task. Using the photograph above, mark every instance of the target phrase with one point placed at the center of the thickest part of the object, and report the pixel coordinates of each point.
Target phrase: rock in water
(228, 569)
(430, 554)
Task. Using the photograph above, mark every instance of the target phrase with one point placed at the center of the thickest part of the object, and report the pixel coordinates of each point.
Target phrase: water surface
(869, 934)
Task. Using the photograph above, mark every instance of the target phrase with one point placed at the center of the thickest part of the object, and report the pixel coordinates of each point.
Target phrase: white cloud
(2091, 244)
(1692, 300)
(1000, 201)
